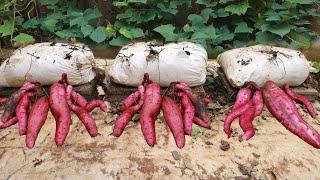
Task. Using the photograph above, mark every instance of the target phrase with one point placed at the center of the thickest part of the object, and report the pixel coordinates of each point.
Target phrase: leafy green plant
(216, 24)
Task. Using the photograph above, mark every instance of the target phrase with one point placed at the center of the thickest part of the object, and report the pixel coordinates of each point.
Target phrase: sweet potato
(3, 101)
(173, 118)
(130, 100)
(82, 114)
(188, 113)
(234, 114)
(9, 123)
(246, 123)
(37, 117)
(282, 107)
(201, 123)
(22, 113)
(199, 105)
(97, 103)
(60, 111)
(13, 101)
(257, 102)
(128, 113)
(79, 99)
(207, 100)
(150, 110)
(301, 100)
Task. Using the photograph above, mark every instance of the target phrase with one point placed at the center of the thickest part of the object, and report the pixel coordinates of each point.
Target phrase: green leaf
(6, 28)
(303, 40)
(131, 32)
(138, 1)
(23, 38)
(243, 28)
(196, 19)
(120, 3)
(238, 9)
(167, 31)
(168, 8)
(272, 16)
(50, 24)
(80, 21)
(207, 3)
(300, 1)
(206, 13)
(99, 34)
(119, 41)
(221, 13)
(19, 20)
(90, 14)
(48, 2)
(111, 31)
(31, 24)
(206, 33)
(279, 29)
(86, 30)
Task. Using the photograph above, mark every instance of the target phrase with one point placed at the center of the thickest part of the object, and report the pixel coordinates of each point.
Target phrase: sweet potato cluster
(280, 104)
(181, 108)
(29, 107)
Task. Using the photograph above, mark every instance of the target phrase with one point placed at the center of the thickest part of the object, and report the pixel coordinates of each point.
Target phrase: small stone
(176, 156)
(208, 143)
(100, 91)
(224, 146)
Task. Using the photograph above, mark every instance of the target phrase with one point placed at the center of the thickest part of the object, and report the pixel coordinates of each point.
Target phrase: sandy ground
(274, 153)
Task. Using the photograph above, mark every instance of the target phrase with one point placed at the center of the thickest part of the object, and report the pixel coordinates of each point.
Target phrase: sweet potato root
(201, 123)
(60, 111)
(282, 107)
(130, 100)
(257, 102)
(200, 106)
(82, 114)
(97, 103)
(13, 101)
(150, 110)
(22, 113)
(246, 123)
(188, 113)
(301, 100)
(233, 115)
(79, 99)
(9, 123)
(128, 113)
(37, 117)
(3, 101)
(173, 118)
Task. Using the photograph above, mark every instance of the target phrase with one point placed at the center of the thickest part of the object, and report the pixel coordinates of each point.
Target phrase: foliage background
(216, 24)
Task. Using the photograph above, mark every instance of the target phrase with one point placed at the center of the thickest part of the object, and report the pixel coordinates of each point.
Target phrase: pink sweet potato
(37, 117)
(201, 123)
(9, 123)
(3, 101)
(128, 113)
(257, 102)
(149, 111)
(60, 111)
(97, 103)
(82, 114)
(173, 118)
(13, 101)
(199, 105)
(246, 123)
(243, 97)
(282, 107)
(301, 100)
(22, 113)
(79, 99)
(188, 113)
(233, 115)
(129, 101)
